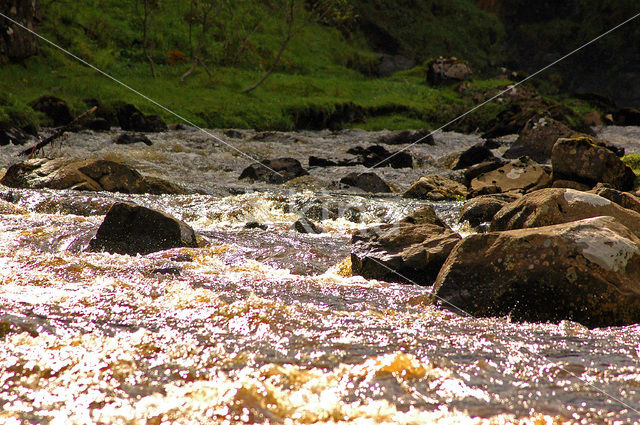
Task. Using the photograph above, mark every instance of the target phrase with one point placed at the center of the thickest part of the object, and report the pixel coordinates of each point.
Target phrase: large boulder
(554, 206)
(55, 108)
(369, 182)
(448, 69)
(537, 138)
(624, 199)
(581, 159)
(84, 174)
(275, 171)
(401, 252)
(483, 208)
(424, 215)
(131, 119)
(126, 230)
(586, 271)
(523, 175)
(476, 154)
(17, 44)
(433, 187)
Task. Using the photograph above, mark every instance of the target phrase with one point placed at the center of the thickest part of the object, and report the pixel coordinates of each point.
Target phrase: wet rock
(522, 175)
(483, 208)
(304, 225)
(433, 187)
(449, 69)
(407, 137)
(131, 138)
(626, 117)
(582, 160)
(624, 199)
(482, 168)
(54, 108)
(131, 119)
(170, 270)
(537, 138)
(586, 271)
(97, 124)
(125, 230)
(378, 156)
(84, 174)
(402, 252)
(274, 171)
(315, 161)
(554, 206)
(424, 215)
(182, 258)
(9, 133)
(234, 134)
(476, 154)
(369, 182)
(255, 225)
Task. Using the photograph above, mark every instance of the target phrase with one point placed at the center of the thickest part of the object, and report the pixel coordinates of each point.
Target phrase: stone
(131, 138)
(447, 69)
(126, 230)
(97, 124)
(407, 137)
(84, 174)
(276, 171)
(476, 154)
(55, 108)
(593, 119)
(580, 159)
(424, 215)
(433, 187)
(315, 161)
(570, 184)
(131, 119)
(554, 206)
(304, 225)
(369, 182)
(482, 168)
(537, 138)
(16, 44)
(626, 117)
(483, 208)
(256, 225)
(624, 199)
(9, 133)
(522, 175)
(586, 271)
(402, 252)
(378, 156)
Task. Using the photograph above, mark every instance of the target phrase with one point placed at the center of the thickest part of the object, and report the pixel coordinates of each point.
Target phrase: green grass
(633, 161)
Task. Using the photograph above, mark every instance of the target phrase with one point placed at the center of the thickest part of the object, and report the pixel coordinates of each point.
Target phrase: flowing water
(268, 326)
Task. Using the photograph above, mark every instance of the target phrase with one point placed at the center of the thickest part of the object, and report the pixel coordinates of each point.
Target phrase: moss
(18, 113)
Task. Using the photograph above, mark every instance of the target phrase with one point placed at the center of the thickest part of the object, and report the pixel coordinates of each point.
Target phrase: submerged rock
(369, 182)
(132, 229)
(275, 171)
(436, 188)
(402, 252)
(586, 271)
(84, 174)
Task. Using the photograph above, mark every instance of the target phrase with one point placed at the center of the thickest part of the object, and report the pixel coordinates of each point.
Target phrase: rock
(624, 199)
(390, 64)
(275, 171)
(131, 138)
(580, 159)
(537, 138)
(476, 154)
(586, 271)
(125, 230)
(482, 168)
(378, 156)
(54, 108)
(315, 161)
(593, 119)
(369, 182)
(234, 134)
(304, 225)
(554, 206)
(570, 184)
(523, 175)
(84, 174)
(407, 137)
(626, 117)
(447, 69)
(98, 124)
(131, 119)
(17, 44)
(424, 215)
(483, 208)
(12, 134)
(255, 225)
(401, 252)
(433, 187)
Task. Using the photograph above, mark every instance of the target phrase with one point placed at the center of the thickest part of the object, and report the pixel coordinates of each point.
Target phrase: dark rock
(98, 124)
(304, 225)
(17, 44)
(408, 137)
(84, 174)
(582, 160)
(234, 134)
(171, 270)
(131, 119)
(378, 156)
(537, 138)
(12, 134)
(476, 154)
(482, 168)
(593, 119)
(369, 182)
(570, 184)
(626, 117)
(433, 187)
(182, 258)
(131, 138)
(554, 206)
(54, 108)
(315, 161)
(483, 208)
(624, 199)
(125, 230)
(424, 215)
(275, 171)
(402, 252)
(255, 225)
(524, 175)
(449, 69)
(586, 271)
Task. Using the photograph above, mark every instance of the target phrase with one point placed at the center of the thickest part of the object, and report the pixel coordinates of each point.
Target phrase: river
(265, 326)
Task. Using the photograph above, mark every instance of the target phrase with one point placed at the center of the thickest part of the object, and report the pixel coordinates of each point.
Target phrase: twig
(59, 132)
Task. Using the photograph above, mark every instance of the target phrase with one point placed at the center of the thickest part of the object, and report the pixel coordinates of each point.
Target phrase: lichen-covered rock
(433, 187)
(84, 174)
(449, 69)
(402, 252)
(132, 229)
(369, 182)
(554, 206)
(523, 175)
(275, 171)
(581, 159)
(537, 138)
(624, 199)
(586, 271)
